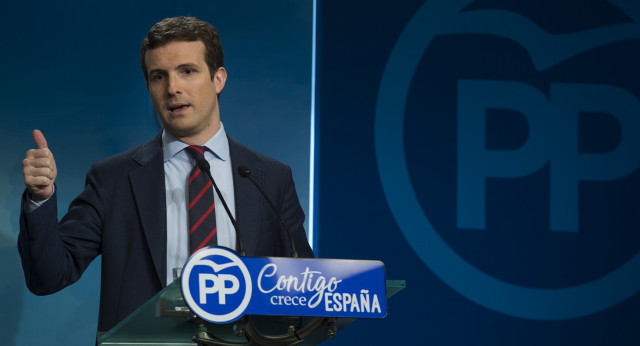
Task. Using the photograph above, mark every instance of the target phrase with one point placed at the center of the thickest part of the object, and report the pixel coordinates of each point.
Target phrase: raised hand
(39, 169)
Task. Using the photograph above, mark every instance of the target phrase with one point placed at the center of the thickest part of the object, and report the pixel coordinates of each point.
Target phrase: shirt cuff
(33, 205)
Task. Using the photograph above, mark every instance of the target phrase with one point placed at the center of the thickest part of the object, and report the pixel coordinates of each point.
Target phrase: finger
(39, 153)
(37, 182)
(38, 137)
(37, 161)
(38, 172)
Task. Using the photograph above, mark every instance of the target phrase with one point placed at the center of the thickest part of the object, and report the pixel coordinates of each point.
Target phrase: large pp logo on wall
(216, 285)
(539, 136)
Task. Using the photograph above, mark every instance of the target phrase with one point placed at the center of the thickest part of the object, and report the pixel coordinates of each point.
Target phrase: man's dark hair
(188, 29)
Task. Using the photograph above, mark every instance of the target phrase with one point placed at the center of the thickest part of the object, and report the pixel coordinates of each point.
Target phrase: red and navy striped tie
(202, 216)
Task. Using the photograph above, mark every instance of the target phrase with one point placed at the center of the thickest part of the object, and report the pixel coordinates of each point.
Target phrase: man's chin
(179, 132)
(183, 131)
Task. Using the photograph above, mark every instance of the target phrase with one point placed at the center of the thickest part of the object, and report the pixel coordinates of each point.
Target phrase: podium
(166, 320)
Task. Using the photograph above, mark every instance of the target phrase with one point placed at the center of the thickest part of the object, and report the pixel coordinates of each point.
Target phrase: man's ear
(220, 78)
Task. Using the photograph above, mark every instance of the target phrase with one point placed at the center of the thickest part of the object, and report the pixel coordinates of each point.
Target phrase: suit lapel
(247, 198)
(149, 193)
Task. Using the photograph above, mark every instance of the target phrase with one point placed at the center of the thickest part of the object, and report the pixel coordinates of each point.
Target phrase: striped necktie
(202, 216)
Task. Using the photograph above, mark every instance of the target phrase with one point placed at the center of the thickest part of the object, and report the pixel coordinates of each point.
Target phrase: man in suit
(133, 210)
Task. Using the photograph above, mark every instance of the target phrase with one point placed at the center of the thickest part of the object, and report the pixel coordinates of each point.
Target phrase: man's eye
(158, 77)
(189, 71)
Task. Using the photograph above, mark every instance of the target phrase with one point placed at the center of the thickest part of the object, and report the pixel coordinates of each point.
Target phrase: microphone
(205, 167)
(246, 173)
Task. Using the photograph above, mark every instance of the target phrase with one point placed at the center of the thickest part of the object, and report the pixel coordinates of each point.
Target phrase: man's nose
(173, 86)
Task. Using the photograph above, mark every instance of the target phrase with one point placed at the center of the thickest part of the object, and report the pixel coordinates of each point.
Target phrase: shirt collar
(218, 144)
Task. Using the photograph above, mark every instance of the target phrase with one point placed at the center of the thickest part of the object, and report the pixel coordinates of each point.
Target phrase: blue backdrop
(487, 151)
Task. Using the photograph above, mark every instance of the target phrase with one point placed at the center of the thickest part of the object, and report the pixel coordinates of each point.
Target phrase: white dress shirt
(177, 166)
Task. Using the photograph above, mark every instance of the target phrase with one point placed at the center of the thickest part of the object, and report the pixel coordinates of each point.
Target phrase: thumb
(38, 137)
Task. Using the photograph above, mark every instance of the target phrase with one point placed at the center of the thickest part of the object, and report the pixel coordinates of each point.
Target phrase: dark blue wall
(487, 152)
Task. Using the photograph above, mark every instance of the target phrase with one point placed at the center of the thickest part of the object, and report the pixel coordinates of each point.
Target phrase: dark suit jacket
(121, 215)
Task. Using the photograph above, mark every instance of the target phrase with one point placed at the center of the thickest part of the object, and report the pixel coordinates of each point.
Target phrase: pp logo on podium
(216, 285)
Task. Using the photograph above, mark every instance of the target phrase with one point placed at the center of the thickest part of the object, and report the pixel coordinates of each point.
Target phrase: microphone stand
(246, 173)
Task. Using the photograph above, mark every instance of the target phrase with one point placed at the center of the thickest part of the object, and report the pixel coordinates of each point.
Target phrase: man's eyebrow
(156, 70)
(188, 64)
(179, 67)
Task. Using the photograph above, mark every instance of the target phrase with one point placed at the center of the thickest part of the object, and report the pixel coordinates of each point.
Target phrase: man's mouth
(177, 107)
